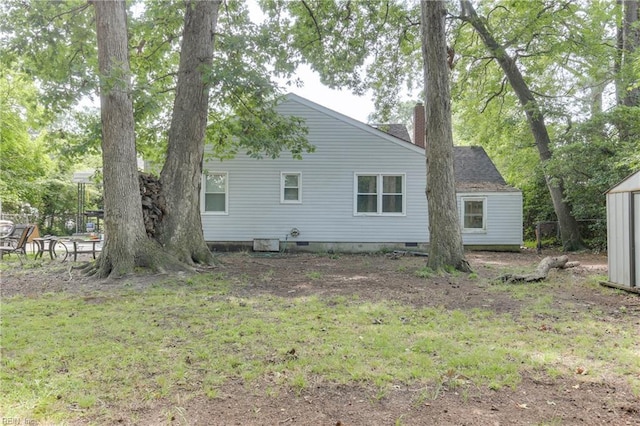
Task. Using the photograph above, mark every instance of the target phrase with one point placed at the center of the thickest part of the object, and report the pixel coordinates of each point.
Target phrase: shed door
(636, 238)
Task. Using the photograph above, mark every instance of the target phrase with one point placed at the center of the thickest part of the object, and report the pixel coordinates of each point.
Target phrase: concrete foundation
(323, 247)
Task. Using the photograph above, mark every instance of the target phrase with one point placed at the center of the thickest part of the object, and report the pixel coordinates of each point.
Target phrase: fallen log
(541, 272)
(398, 253)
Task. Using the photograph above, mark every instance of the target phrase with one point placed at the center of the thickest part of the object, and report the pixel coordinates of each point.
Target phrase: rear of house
(490, 210)
(362, 189)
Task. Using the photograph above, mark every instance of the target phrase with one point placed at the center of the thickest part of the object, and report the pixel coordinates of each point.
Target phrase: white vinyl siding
(326, 213)
(344, 148)
(216, 193)
(379, 194)
(474, 214)
(502, 218)
(291, 187)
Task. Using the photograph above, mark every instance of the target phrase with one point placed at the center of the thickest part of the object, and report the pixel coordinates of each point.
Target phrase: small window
(291, 187)
(215, 193)
(474, 214)
(378, 194)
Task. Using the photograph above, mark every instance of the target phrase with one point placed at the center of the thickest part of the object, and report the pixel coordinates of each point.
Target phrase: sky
(342, 101)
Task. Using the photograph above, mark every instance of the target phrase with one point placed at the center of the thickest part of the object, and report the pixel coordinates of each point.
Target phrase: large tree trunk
(181, 177)
(569, 230)
(629, 43)
(445, 245)
(126, 244)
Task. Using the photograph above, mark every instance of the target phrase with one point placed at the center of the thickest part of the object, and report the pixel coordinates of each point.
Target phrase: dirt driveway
(557, 400)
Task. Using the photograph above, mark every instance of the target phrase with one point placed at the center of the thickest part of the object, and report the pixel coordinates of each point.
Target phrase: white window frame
(204, 194)
(463, 200)
(283, 176)
(379, 194)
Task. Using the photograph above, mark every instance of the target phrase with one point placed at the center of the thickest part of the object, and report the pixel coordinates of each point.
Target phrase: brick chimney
(419, 136)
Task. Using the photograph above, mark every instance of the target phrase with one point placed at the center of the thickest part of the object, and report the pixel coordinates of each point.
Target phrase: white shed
(623, 233)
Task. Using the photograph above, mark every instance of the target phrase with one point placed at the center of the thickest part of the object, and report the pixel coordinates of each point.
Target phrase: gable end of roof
(345, 119)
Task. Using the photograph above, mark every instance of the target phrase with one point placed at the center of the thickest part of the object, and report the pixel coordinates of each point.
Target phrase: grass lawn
(69, 356)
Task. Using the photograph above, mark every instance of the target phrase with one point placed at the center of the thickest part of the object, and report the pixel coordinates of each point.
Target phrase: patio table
(81, 246)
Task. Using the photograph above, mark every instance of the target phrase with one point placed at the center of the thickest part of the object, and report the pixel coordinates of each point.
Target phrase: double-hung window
(379, 194)
(291, 187)
(216, 194)
(474, 214)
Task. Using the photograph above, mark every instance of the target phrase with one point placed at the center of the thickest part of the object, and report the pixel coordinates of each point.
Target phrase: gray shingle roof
(473, 168)
(394, 129)
(475, 171)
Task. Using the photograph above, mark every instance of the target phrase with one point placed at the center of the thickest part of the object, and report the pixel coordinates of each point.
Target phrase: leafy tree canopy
(55, 43)
(567, 52)
(22, 142)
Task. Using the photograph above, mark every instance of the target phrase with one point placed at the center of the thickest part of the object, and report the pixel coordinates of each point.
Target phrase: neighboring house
(363, 189)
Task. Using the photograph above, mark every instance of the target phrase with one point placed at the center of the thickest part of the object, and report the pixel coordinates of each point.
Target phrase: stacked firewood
(153, 203)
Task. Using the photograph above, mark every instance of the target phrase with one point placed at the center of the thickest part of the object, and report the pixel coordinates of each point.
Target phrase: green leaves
(22, 149)
(364, 45)
(256, 129)
(53, 42)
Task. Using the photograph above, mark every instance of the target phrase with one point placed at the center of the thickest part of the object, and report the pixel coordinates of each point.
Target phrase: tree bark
(627, 43)
(569, 231)
(126, 245)
(630, 42)
(181, 229)
(445, 245)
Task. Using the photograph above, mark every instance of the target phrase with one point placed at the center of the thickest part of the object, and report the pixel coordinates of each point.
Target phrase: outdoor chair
(19, 246)
(6, 228)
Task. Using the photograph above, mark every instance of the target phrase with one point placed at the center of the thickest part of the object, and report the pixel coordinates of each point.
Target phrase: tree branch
(541, 272)
(496, 8)
(169, 40)
(304, 3)
(386, 14)
(519, 54)
(70, 11)
(495, 95)
(412, 23)
(582, 173)
(162, 77)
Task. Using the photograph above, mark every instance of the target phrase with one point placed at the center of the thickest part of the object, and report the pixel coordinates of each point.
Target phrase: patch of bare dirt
(534, 401)
(579, 400)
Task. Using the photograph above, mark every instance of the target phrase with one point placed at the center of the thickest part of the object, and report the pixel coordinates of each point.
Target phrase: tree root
(148, 255)
(464, 266)
(541, 272)
(88, 269)
(85, 267)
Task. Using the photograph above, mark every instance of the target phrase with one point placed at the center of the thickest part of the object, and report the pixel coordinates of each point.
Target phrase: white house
(363, 189)
(623, 233)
